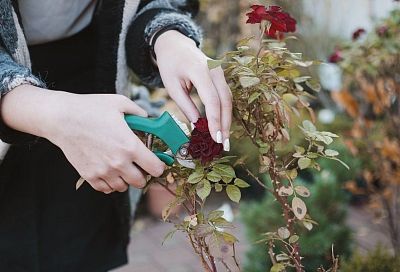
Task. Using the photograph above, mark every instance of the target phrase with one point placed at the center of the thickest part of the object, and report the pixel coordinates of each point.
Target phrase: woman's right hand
(91, 132)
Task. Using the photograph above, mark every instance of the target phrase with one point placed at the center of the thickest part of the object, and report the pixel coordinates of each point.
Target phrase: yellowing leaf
(228, 238)
(304, 163)
(307, 225)
(285, 191)
(303, 191)
(299, 208)
(203, 189)
(290, 73)
(293, 239)
(212, 64)
(218, 187)
(309, 126)
(283, 232)
(253, 97)
(331, 153)
(247, 81)
(278, 267)
(233, 193)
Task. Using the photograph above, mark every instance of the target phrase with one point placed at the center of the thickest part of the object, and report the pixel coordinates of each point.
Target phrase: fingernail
(227, 145)
(219, 137)
(192, 125)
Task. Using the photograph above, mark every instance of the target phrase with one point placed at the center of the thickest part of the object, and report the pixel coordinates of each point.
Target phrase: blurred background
(358, 210)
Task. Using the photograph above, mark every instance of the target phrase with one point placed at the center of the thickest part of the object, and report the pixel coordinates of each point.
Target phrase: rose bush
(269, 89)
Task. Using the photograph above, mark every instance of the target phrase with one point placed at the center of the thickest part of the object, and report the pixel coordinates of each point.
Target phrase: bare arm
(89, 129)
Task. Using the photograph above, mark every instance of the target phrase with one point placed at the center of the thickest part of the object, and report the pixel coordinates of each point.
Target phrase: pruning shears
(167, 129)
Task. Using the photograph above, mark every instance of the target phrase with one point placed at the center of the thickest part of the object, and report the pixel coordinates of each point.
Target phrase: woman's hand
(182, 65)
(90, 130)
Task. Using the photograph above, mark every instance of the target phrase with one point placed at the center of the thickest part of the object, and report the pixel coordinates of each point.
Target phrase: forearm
(31, 109)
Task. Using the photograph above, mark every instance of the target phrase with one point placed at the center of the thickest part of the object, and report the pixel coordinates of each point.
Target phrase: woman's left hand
(183, 65)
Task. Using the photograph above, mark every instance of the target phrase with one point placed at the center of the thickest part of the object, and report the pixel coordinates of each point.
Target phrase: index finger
(210, 98)
(146, 159)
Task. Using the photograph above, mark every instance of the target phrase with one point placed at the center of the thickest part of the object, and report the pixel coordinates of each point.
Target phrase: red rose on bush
(201, 145)
(382, 31)
(257, 15)
(280, 22)
(357, 34)
(336, 56)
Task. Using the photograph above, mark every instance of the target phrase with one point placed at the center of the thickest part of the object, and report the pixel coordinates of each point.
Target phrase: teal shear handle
(165, 128)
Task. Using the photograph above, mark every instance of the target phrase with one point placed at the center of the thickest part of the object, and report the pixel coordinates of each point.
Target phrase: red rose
(336, 56)
(257, 15)
(201, 145)
(280, 22)
(382, 31)
(357, 34)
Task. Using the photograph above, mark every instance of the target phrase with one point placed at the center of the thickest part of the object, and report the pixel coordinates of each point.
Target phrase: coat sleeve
(13, 75)
(154, 16)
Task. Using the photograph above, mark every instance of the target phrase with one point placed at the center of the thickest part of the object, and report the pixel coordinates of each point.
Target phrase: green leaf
(282, 257)
(283, 232)
(293, 239)
(342, 162)
(228, 238)
(314, 85)
(278, 267)
(203, 189)
(299, 208)
(213, 176)
(215, 214)
(222, 223)
(247, 81)
(299, 149)
(302, 190)
(212, 64)
(309, 126)
(241, 183)
(289, 73)
(218, 187)
(169, 236)
(195, 177)
(225, 171)
(331, 153)
(304, 163)
(253, 97)
(233, 193)
(301, 79)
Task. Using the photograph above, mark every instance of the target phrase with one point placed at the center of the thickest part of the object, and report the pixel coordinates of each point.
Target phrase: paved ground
(147, 254)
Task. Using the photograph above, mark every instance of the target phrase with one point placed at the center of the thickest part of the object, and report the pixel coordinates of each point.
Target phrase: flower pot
(158, 198)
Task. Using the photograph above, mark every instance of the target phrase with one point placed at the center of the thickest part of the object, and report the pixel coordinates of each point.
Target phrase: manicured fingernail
(227, 145)
(192, 125)
(219, 137)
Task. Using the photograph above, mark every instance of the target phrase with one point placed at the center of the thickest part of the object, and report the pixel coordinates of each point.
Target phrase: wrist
(169, 39)
(32, 110)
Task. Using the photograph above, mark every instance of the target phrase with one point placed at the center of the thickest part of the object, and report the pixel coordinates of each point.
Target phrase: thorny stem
(283, 201)
(226, 266)
(200, 253)
(172, 192)
(234, 257)
(259, 181)
(271, 252)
